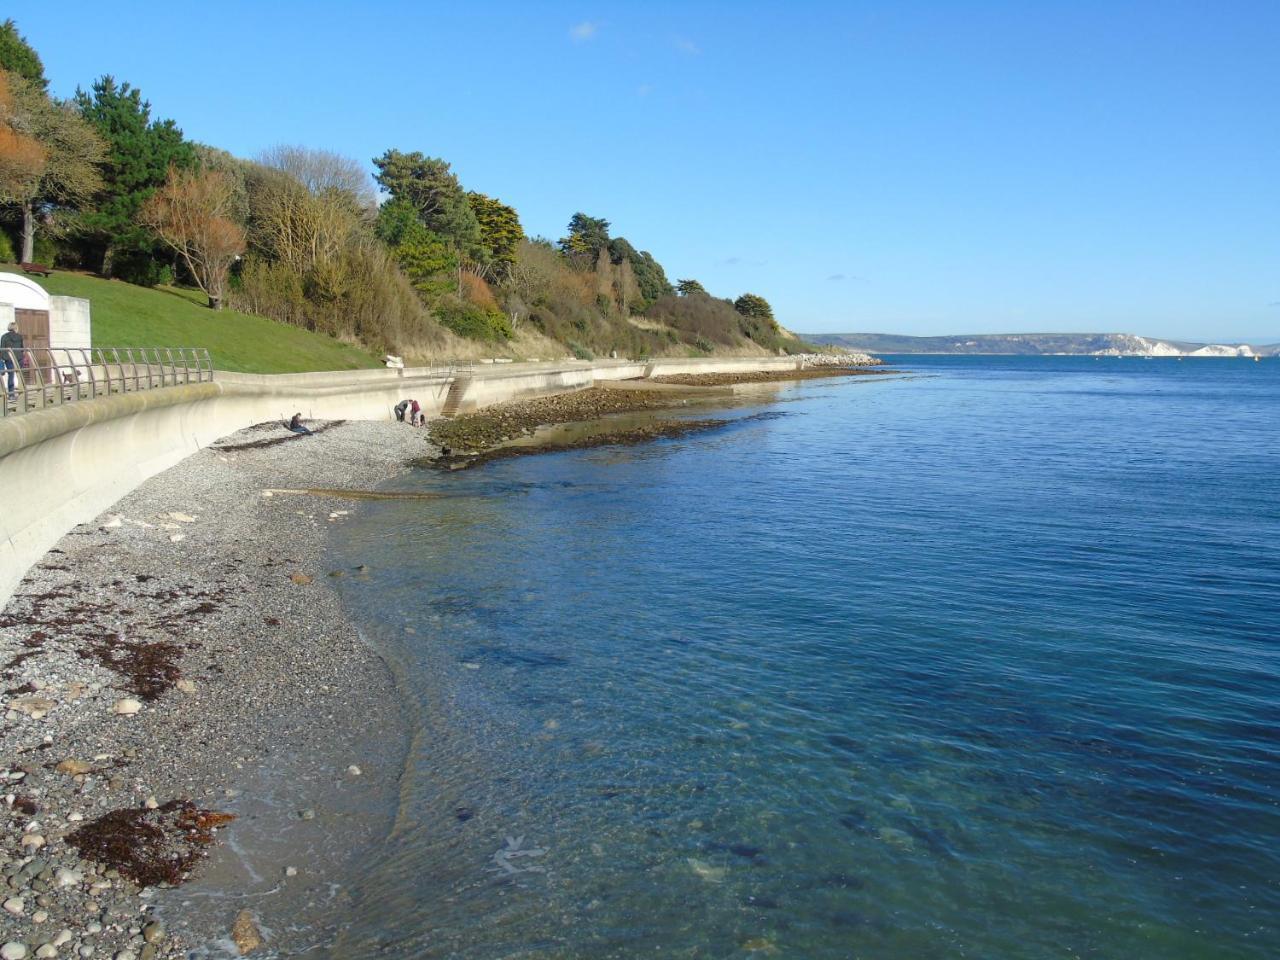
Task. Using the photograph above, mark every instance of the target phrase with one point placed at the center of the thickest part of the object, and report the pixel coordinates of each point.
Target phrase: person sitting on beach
(296, 424)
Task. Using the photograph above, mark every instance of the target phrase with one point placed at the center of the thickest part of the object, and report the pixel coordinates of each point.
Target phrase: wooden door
(34, 327)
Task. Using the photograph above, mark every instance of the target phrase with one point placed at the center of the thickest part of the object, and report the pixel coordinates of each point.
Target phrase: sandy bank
(205, 602)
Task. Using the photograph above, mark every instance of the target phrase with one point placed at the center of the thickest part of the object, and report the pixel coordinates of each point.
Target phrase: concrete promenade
(63, 466)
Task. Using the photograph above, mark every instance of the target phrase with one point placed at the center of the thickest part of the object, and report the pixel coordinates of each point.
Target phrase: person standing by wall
(11, 356)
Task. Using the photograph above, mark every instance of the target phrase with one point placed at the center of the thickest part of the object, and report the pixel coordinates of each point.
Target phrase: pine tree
(18, 56)
(140, 152)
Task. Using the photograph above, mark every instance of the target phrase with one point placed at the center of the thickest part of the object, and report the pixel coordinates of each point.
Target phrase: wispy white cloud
(741, 262)
(685, 45)
(584, 31)
(839, 277)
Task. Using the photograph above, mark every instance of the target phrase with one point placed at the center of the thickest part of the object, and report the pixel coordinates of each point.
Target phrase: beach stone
(46, 950)
(153, 932)
(86, 950)
(40, 916)
(31, 706)
(307, 814)
(74, 768)
(149, 952)
(69, 878)
(15, 906)
(186, 686)
(353, 771)
(245, 933)
(127, 707)
(301, 579)
(33, 841)
(64, 937)
(290, 871)
(13, 951)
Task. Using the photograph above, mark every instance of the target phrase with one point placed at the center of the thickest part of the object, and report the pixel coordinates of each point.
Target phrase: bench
(39, 268)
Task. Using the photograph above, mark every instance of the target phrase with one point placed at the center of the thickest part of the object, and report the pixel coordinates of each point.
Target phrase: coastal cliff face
(1088, 344)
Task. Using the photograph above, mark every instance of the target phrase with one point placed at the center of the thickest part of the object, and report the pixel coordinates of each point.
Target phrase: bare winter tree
(322, 171)
(191, 213)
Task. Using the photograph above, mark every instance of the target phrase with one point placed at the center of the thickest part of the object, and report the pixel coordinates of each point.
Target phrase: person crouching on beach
(408, 408)
(296, 424)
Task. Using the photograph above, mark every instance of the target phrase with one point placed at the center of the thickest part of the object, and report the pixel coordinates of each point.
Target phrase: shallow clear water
(977, 662)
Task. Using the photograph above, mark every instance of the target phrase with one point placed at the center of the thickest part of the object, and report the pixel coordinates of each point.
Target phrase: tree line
(301, 235)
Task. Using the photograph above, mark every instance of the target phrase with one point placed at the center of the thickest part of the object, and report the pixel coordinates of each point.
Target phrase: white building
(43, 320)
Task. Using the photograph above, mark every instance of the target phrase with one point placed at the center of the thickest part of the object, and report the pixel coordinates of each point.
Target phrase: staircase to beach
(453, 400)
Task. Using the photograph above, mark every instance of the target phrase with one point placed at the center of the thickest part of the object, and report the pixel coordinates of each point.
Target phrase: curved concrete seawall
(64, 465)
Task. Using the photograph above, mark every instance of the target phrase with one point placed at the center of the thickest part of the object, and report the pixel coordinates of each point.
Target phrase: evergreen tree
(500, 232)
(587, 237)
(140, 152)
(18, 56)
(754, 307)
(650, 278)
(428, 185)
(689, 287)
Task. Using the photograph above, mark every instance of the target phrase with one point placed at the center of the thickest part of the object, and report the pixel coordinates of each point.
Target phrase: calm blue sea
(979, 661)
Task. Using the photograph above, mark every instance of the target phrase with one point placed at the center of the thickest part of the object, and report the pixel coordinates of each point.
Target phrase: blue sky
(945, 167)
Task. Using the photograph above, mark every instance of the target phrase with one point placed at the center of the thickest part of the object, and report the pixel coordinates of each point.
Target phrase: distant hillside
(1095, 344)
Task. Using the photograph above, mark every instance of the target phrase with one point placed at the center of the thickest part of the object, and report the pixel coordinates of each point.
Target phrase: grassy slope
(129, 316)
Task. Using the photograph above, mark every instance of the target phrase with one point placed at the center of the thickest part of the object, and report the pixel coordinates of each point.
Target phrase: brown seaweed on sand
(149, 847)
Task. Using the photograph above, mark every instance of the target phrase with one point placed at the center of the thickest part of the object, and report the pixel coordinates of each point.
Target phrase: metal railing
(455, 369)
(39, 377)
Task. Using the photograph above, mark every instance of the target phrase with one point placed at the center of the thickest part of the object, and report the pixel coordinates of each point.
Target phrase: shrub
(137, 265)
(579, 351)
(468, 320)
(6, 249)
(697, 315)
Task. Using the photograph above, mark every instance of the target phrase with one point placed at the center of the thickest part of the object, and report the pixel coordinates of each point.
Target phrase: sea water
(977, 661)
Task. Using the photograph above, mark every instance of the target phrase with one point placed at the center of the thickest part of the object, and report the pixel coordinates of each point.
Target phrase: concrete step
(453, 400)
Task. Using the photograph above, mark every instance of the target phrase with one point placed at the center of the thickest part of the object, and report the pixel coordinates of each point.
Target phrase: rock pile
(846, 359)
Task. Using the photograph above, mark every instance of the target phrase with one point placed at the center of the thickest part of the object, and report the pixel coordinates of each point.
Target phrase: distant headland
(1089, 344)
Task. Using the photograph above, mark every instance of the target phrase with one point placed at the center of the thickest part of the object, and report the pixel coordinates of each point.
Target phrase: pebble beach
(184, 646)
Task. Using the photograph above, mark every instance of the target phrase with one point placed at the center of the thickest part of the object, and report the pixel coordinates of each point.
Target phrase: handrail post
(35, 369)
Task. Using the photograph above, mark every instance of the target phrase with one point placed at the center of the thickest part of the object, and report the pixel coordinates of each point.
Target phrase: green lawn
(128, 316)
